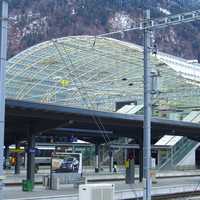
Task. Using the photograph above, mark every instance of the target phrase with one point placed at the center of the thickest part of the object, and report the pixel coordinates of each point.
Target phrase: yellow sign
(64, 82)
(127, 164)
(17, 150)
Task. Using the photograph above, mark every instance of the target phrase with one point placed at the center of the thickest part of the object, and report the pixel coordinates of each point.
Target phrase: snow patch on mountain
(121, 21)
(165, 11)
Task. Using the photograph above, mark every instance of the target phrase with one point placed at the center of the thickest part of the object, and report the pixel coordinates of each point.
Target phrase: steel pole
(3, 56)
(147, 111)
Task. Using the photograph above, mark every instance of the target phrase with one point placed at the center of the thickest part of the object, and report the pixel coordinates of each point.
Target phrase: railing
(186, 146)
(166, 161)
(177, 153)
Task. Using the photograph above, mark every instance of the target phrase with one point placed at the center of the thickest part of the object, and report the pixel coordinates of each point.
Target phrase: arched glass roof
(94, 73)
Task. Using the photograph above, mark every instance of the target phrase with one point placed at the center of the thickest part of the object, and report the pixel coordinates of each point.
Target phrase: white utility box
(97, 192)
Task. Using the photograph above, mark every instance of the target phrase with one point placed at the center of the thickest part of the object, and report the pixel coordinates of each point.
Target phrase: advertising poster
(66, 163)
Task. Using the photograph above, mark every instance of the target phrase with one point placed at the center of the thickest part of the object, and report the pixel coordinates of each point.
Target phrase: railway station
(46, 110)
(75, 117)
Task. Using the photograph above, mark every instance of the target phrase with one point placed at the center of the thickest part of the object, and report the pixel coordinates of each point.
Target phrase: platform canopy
(93, 73)
(24, 118)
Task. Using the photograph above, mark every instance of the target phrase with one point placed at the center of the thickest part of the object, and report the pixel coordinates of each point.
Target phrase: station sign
(32, 150)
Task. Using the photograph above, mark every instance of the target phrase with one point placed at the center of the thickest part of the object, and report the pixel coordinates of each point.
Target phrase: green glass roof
(94, 73)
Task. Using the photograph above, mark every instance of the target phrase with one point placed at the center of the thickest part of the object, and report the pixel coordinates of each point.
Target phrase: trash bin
(27, 185)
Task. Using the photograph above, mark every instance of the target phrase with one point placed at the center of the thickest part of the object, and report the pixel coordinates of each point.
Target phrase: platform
(12, 179)
(168, 186)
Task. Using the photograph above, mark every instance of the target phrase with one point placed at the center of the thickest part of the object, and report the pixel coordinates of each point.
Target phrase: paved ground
(68, 192)
(11, 178)
(181, 181)
(39, 191)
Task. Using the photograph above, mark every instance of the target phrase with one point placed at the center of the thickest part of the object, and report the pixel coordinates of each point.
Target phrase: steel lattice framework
(94, 73)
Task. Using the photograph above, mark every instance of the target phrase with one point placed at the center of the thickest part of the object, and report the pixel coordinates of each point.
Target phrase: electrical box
(97, 192)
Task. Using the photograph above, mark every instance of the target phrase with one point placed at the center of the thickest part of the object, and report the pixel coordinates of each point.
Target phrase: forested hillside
(34, 21)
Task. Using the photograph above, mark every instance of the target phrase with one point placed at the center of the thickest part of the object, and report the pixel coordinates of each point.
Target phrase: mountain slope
(34, 21)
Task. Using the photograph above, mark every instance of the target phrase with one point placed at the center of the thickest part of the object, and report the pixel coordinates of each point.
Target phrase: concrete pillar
(73, 148)
(130, 170)
(172, 158)
(158, 158)
(6, 156)
(97, 160)
(111, 160)
(141, 163)
(25, 160)
(18, 159)
(31, 158)
(141, 174)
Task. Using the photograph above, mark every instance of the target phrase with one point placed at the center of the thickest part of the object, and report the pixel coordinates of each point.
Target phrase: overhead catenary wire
(91, 52)
(158, 23)
(98, 122)
(147, 26)
(96, 119)
(91, 63)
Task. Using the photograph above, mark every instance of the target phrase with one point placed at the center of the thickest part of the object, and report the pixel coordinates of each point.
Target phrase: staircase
(177, 153)
(181, 147)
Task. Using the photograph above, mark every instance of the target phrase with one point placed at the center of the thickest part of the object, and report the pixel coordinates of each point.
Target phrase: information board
(66, 163)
